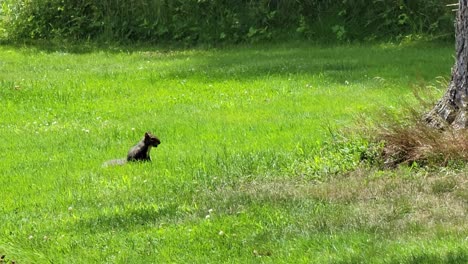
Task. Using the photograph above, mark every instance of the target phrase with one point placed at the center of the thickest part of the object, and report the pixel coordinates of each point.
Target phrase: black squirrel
(139, 152)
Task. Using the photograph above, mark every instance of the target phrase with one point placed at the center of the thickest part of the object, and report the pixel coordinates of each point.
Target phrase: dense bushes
(213, 21)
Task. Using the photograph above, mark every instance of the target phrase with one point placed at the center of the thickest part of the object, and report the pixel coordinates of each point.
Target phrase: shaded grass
(246, 132)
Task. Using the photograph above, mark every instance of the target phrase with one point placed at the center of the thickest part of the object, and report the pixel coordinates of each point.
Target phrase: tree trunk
(452, 109)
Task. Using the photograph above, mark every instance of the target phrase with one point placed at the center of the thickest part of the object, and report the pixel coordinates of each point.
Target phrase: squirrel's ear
(147, 134)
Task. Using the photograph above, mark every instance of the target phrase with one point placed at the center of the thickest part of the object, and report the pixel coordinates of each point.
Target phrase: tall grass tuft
(420, 143)
(408, 139)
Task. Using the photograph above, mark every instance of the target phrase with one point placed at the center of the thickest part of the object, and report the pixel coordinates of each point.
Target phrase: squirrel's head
(152, 140)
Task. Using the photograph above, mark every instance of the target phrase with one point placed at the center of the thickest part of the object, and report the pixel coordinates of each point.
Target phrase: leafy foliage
(215, 21)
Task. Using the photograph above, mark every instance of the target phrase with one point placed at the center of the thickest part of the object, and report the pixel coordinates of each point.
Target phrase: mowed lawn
(252, 167)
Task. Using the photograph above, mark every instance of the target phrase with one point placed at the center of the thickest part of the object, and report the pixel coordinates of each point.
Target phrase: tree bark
(452, 109)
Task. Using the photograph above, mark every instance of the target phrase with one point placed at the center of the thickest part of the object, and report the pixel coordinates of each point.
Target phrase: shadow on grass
(454, 256)
(234, 62)
(128, 219)
(83, 47)
(296, 61)
(256, 64)
(325, 64)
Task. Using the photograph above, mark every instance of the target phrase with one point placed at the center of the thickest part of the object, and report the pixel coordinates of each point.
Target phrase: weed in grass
(444, 185)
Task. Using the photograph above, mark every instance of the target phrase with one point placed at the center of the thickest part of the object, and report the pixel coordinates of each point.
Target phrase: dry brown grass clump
(420, 143)
(408, 138)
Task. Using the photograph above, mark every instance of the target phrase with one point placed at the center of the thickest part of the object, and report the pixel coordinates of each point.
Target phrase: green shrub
(214, 21)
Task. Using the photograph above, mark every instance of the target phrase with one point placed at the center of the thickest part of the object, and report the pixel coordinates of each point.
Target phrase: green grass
(250, 168)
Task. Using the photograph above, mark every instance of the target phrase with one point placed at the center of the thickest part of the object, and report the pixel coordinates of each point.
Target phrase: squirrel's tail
(114, 162)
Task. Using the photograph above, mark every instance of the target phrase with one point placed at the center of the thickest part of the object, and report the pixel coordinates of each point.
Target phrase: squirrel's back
(141, 151)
